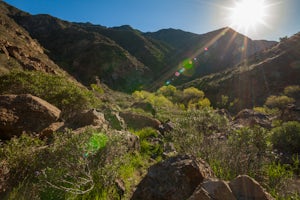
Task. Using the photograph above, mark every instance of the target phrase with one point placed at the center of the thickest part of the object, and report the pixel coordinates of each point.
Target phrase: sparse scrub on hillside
(286, 138)
(78, 166)
(66, 95)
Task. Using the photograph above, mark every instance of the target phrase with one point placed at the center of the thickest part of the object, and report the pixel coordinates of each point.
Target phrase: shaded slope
(18, 50)
(262, 75)
(85, 54)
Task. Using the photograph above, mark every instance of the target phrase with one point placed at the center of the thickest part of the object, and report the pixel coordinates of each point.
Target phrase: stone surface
(248, 117)
(200, 194)
(176, 178)
(87, 118)
(218, 190)
(246, 188)
(138, 121)
(25, 113)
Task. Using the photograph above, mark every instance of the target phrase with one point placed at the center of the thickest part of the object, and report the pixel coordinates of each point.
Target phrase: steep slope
(18, 50)
(262, 75)
(85, 54)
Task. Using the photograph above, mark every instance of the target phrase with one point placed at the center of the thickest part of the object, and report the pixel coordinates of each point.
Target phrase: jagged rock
(87, 118)
(138, 121)
(114, 119)
(218, 190)
(132, 142)
(176, 178)
(245, 187)
(48, 132)
(25, 113)
(291, 113)
(248, 117)
(166, 127)
(200, 194)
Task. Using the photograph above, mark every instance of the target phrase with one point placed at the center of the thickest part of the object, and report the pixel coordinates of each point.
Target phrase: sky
(280, 18)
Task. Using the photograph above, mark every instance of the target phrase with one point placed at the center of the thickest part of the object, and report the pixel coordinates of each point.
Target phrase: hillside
(127, 59)
(61, 140)
(261, 75)
(18, 50)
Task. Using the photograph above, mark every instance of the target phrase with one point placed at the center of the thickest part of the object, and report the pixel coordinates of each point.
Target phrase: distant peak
(123, 27)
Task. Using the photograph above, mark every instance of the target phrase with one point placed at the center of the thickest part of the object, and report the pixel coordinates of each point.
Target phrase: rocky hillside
(18, 50)
(127, 59)
(261, 75)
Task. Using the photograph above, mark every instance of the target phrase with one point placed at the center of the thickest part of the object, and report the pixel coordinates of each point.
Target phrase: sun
(248, 14)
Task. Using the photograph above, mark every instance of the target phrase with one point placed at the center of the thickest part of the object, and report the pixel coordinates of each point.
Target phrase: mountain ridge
(125, 58)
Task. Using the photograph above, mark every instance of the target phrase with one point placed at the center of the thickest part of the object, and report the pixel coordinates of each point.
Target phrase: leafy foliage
(286, 138)
(66, 95)
(278, 101)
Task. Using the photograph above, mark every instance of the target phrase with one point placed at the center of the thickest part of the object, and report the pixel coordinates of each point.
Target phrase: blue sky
(197, 16)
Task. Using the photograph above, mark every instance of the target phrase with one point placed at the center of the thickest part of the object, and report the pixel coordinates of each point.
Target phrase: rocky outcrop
(138, 121)
(245, 187)
(218, 189)
(87, 118)
(248, 117)
(184, 177)
(174, 179)
(25, 113)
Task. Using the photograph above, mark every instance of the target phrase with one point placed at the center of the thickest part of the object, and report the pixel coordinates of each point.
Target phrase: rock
(291, 113)
(131, 141)
(218, 190)
(114, 119)
(200, 194)
(166, 127)
(176, 178)
(48, 132)
(120, 186)
(146, 106)
(87, 118)
(138, 121)
(225, 113)
(248, 117)
(25, 113)
(245, 187)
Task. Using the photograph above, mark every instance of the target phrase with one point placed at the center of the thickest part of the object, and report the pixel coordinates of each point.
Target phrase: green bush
(278, 101)
(149, 146)
(286, 138)
(57, 90)
(292, 91)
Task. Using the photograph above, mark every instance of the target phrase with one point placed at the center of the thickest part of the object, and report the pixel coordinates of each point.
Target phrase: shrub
(292, 91)
(192, 93)
(159, 101)
(167, 91)
(57, 90)
(278, 101)
(286, 138)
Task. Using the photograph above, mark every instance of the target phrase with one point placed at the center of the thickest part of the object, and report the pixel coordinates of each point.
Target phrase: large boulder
(25, 113)
(176, 178)
(87, 118)
(218, 190)
(245, 187)
(138, 121)
(248, 117)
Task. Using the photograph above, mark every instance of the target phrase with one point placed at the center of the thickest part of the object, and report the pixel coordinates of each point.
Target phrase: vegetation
(87, 165)
(61, 92)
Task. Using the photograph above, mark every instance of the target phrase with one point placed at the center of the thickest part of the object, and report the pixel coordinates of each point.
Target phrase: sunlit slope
(253, 80)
